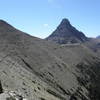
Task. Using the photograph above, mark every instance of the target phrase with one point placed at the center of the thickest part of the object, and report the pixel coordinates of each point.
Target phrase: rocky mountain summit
(36, 69)
(66, 33)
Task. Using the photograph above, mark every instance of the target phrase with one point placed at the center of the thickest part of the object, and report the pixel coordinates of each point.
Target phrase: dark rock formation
(1, 89)
(66, 33)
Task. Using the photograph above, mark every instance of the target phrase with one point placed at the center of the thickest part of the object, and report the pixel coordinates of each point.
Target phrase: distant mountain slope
(40, 70)
(94, 44)
(98, 37)
(66, 33)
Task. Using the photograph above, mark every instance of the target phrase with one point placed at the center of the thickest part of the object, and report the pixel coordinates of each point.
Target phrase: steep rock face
(40, 70)
(66, 33)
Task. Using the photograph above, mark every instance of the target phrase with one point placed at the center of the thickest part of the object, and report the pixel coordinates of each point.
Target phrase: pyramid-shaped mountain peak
(66, 33)
(65, 21)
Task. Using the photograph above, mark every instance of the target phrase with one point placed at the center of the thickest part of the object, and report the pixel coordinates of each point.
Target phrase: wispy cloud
(45, 25)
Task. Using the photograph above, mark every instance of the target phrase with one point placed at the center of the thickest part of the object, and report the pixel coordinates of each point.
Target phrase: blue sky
(41, 17)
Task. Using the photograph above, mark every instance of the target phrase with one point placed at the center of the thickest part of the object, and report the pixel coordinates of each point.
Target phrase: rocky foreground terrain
(37, 69)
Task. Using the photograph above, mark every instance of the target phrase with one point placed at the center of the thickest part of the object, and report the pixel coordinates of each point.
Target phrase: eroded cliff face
(35, 69)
